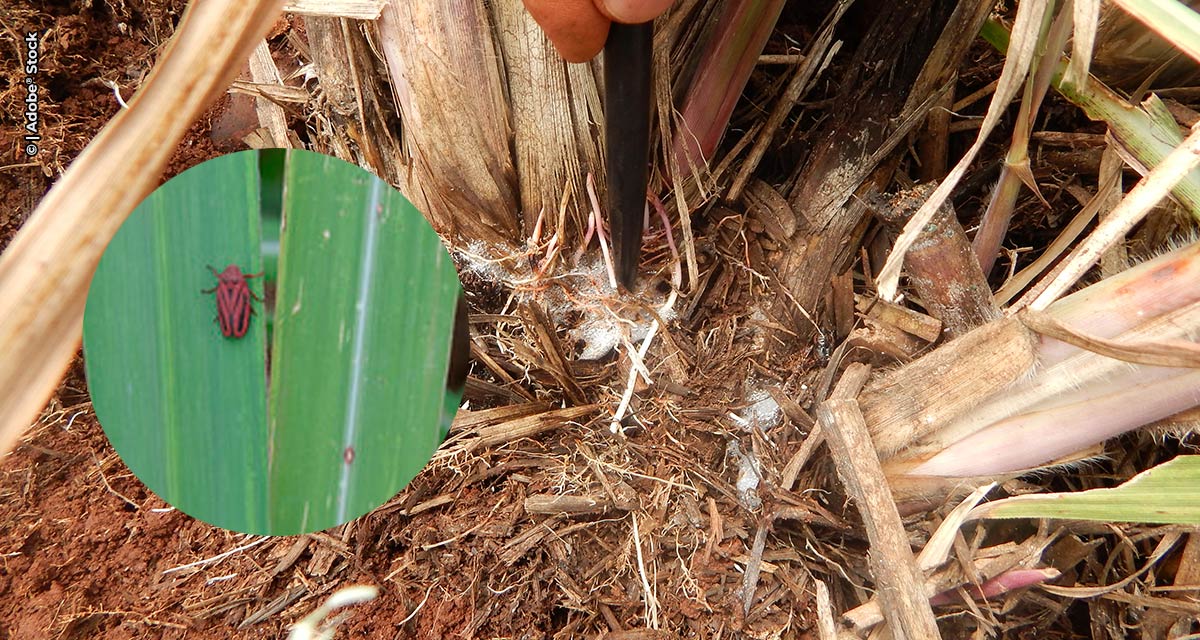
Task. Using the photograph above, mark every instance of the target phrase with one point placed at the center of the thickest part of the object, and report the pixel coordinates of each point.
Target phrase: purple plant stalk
(1040, 437)
(729, 57)
(1000, 585)
(1077, 398)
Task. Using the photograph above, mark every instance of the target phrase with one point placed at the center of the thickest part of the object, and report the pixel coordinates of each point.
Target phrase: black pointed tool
(627, 62)
(460, 349)
(459, 366)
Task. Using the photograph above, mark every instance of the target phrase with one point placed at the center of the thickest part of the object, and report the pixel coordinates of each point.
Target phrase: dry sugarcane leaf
(898, 579)
(524, 426)
(45, 272)
(448, 83)
(556, 118)
(1162, 353)
(541, 330)
(916, 399)
(357, 9)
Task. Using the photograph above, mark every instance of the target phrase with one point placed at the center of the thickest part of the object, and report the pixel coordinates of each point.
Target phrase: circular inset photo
(275, 342)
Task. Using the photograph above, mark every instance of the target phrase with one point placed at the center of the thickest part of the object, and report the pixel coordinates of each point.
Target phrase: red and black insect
(234, 306)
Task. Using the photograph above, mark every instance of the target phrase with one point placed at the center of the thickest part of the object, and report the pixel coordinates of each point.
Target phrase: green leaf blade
(1166, 494)
(366, 308)
(183, 405)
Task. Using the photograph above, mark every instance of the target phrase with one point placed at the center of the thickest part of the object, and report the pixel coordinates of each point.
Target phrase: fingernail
(631, 11)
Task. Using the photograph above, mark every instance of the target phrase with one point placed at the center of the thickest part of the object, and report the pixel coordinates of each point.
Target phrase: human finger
(576, 27)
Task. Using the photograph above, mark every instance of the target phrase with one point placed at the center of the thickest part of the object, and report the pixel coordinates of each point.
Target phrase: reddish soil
(84, 543)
